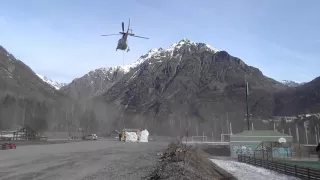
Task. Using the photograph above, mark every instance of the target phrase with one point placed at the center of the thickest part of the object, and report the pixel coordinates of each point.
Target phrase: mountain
(299, 100)
(100, 80)
(190, 83)
(18, 78)
(54, 84)
(93, 83)
(292, 83)
(25, 99)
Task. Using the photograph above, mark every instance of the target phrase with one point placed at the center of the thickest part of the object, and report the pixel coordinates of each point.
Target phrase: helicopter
(123, 42)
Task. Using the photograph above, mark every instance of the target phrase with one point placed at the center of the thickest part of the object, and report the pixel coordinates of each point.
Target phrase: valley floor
(101, 159)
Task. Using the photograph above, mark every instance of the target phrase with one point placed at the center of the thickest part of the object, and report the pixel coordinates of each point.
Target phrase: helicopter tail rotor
(122, 26)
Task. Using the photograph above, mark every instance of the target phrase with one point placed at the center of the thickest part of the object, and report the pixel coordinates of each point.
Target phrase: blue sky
(61, 39)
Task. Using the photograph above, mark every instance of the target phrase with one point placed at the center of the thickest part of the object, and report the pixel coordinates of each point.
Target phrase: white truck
(91, 137)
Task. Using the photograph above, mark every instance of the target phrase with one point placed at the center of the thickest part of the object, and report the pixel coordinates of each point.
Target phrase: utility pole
(228, 123)
(247, 106)
(297, 133)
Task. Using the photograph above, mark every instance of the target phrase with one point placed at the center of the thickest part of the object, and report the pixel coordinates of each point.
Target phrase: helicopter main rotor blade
(122, 26)
(129, 24)
(110, 34)
(139, 36)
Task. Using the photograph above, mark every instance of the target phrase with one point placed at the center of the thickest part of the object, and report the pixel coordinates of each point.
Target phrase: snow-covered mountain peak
(292, 83)
(187, 44)
(52, 83)
(107, 69)
(151, 53)
(157, 53)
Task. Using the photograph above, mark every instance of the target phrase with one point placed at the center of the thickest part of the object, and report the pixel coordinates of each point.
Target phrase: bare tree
(88, 121)
(38, 124)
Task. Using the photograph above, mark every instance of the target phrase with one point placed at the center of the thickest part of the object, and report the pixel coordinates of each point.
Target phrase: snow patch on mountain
(187, 42)
(292, 83)
(153, 52)
(52, 83)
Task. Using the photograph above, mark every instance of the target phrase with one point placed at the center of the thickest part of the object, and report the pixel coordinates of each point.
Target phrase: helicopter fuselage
(122, 43)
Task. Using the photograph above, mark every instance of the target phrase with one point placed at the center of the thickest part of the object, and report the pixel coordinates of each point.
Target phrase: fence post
(295, 170)
(276, 166)
(285, 168)
(262, 149)
(308, 173)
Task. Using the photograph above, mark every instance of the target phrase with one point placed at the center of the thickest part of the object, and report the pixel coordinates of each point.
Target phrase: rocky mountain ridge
(100, 80)
(52, 83)
(94, 83)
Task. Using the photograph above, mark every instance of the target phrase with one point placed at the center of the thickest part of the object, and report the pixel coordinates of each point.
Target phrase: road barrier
(292, 170)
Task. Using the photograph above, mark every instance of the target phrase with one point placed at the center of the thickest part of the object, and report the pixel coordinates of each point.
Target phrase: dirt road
(86, 160)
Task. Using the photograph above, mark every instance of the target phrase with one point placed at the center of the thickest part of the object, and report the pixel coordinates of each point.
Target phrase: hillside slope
(98, 81)
(299, 100)
(24, 97)
(93, 83)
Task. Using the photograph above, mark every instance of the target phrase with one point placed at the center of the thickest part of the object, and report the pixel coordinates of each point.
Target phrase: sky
(61, 39)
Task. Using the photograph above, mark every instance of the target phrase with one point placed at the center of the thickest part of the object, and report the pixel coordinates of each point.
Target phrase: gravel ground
(86, 160)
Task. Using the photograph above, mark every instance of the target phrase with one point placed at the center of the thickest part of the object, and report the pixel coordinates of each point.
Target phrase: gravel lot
(85, 160)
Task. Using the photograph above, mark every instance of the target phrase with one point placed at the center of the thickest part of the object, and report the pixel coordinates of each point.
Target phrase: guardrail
(24, 138)
(209, 143)
(292, 170)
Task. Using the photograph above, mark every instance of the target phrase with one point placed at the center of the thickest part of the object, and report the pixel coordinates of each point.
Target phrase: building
(18, 133)
(250, 142)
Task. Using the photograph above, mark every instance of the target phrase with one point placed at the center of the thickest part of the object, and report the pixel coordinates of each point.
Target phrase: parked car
(8, 146)
(91, 137)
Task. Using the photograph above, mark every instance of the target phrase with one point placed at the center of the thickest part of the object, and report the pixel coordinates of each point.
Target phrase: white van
(91, 137)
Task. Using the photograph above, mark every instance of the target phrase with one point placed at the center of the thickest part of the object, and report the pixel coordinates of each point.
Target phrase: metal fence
(292, 170)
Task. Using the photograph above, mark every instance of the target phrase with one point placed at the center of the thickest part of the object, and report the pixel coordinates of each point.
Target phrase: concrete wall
(249, 148)
(242, 149)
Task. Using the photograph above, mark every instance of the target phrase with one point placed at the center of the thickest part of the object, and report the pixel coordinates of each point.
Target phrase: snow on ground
(244, 171)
